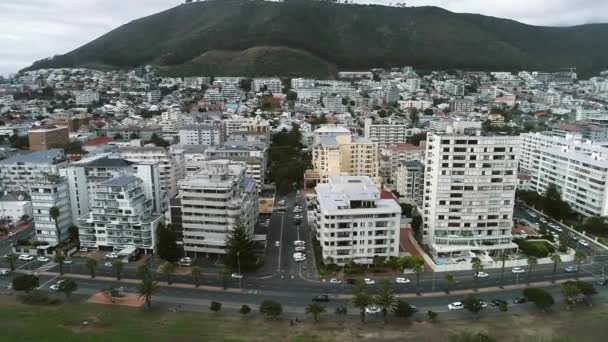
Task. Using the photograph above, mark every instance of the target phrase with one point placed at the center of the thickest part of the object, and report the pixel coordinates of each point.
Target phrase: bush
(245, 310)
(432, 315)
(271, 309)
(403, 309)
(538, 249)
(215, 306)
(38, 298)
(25, 282)
(541, 298)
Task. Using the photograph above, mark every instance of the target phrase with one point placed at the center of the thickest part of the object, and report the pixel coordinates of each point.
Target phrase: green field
(84, 322)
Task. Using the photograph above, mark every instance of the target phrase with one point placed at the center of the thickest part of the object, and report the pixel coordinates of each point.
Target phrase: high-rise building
(469, 193)
(273, 85)
(46, 138)
(48, 192)
(20, 171)
(409, 181)
(353, 224)
(389, 132)
(210, 135)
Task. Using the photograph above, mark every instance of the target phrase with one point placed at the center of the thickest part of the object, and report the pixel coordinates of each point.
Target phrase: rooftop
(341, 191)
(98, 141)
(121, 181)
(49, 157)
(332, 129)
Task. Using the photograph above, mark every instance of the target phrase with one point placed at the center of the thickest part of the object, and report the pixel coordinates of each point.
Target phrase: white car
(456, 306)
(112, 256)
(531, 214)
(277, 244)
(482, 275)
(185, 261)
(300, 249)
(369, 281)
(516, 270)
(299, 258)
(55, 287)
(108, 264)
(67, 261)
(236, 276)
(584, 243)
(299, 243)
(4, 272)
(43, 259)
(402, 281)
(282, 202)
(297, 210)
(26, 257)
(552, 225)
(372, 310)
(335, 281)
(297, 217)
(557, 228)
(543, 220)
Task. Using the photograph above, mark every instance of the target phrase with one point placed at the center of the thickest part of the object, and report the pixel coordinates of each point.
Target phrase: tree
(449, 281)
(416, 139)
(224, 275)
(579, 257)
(215, 306)
(25, 282)
(11, 259)
(532, 261)
(385, 298)
(73, 235)
(147, 289)
(240, 249)
(271, 309)
(541, 298)
(414, 117)
(361, 300)
(571, 292)
(91, 265)
(133, 136)
(477, 267)
(158, 141)
(117, 266)
(429, 112)
(118, 136)
(54, 213)
(196, 275)
(67, 287)
(315, 310)
(167, 268)
(556, 260)
(142, 271)
(418, 267)
(59, 259)
(472, 304)
(432, 315)
(403, 309)
(416, 224)
(167, 248)
(245, 310)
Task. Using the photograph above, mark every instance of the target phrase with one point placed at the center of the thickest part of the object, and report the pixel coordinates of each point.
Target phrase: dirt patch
(130, 300)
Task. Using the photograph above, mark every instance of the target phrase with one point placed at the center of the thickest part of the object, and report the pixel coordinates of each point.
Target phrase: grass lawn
(104, 323)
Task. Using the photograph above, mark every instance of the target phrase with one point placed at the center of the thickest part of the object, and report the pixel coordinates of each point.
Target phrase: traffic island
(126, 299)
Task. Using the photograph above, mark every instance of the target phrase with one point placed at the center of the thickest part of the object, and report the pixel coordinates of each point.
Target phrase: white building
(333, 103)
(201, 135)
(46, 193)
(353, 224)
(469, 194)
(273, 85)
(14, 205)
(121, 216)
(17, 173)
(409, 181)
(86, 97)
(391, 132)
(212, 201)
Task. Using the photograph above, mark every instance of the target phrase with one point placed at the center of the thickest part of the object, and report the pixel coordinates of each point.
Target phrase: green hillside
(317, 37)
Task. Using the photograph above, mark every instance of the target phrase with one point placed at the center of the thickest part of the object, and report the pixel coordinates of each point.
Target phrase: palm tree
(361, 301)
(224, 275)
(196, 275)
(91, 264)
(503, 259)
(449, 281)
(385, 298)
(147, 289)
(11, 258)
(418, 267)
(54, 213)
(167, 269)
(556, 260)
(117, 266)
(532, 261)
(477, 267)
(315, 309)
(59, 259)
(579, 257)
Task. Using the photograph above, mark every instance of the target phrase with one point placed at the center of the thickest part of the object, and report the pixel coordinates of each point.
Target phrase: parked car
(335, 281)
(371, 310)
(4, 272)
(321, 298)
(456, 306)
(483, 303)
(402, 281)
(602, 282)
(57, 285)
(543, 220)
(498, 302)
(282, 202)
(519, 300)
(571, 269)
(43, 259)
(299, 243)
(482, 275)
(108, 264)
(369, 281)
(516, 270)
(112, 255)
(185, 261)
(26, 257)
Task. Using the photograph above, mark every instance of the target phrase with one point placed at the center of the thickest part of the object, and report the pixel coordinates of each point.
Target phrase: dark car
(519, 300)
(321, 298)
(498, 302)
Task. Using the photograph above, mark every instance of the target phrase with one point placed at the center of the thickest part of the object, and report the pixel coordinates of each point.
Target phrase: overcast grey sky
(35, 29)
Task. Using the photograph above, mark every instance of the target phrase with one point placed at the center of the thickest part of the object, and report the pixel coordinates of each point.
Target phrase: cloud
(35, 29)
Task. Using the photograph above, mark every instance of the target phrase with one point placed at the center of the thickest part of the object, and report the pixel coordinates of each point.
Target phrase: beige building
(45, 138)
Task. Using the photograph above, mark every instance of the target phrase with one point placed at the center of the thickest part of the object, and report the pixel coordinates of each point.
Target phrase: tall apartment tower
(48, 192)
(470, 182)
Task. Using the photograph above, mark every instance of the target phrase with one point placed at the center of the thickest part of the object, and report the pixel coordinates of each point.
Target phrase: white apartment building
(212, 201)
(48, 192)
(302, 83)
(412, 84)
(121, 217)
(333, 103)
(273, 85)
(17, 173)
(409, 181)
(390, 132)
(14, 205)
(201, 135)
(469, 194)
(86, 97)
(237, 123)
(352, 223)
(420, 105)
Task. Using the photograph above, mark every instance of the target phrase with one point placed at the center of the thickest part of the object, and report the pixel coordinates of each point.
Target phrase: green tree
(240, 248)
(541, 298)
(429, 112)
(245, 310)
(414, 117)
(167, 269)
(224, 275)
(196, 275)
(67, 287)
(167, 248)
(579, 257)
(73, 235)
(416, 139)
(315, 310)
(25, 282)
(556, 260)
(472, 304)
(361, 300)
(215, 306)
(341, 310)
(449, 281)
(477, 267)
(385, 299)
(91, 265)
(147, 289)
(117, 267)
(532, 262)
(418, 267)
(271, 309)
(11, 259)
(60, 259)
(432, 315)
(570, 292)
(142, 271)
(403, 309)
(54, 213)
(158, 141)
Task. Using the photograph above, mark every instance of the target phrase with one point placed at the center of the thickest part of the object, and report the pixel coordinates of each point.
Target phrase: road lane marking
(45, 283)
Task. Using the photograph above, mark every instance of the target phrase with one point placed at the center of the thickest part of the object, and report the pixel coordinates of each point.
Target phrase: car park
(372, 310)
(519, 300)
(498, 302)
(57, 285)
(335, 281)
(43, 259)
(516, 270)
(456, 306)
(482, 275)
(369, 281)
(321, 298)
(402, 281)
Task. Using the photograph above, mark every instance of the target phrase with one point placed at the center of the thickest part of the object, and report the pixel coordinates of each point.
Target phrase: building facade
(388, 133)
(46, 193)
(46, 138)
(19, 171)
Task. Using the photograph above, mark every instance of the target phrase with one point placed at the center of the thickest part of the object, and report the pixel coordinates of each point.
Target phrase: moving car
(321, 298)
(299, 243)
(482, 275)
(584, 243)
(26, 257)
(57, 285)
(519, 300)
(456, 306)
(277, 244)
(236, 276)
(516, 270)
(43, 259)
(402, 281)
(335, 281)
(112, 255)
(4, 272)
(300, 249)
(297, 257)
(369, 281)
(571, 269)
(498, 302)
(297, 210)
(372, 310)
(185, 261)
(297, 217)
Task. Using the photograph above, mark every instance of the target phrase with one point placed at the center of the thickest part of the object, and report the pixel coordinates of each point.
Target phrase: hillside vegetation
(315, 37)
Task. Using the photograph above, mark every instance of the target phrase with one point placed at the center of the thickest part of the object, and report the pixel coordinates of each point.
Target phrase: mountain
(316, 38)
